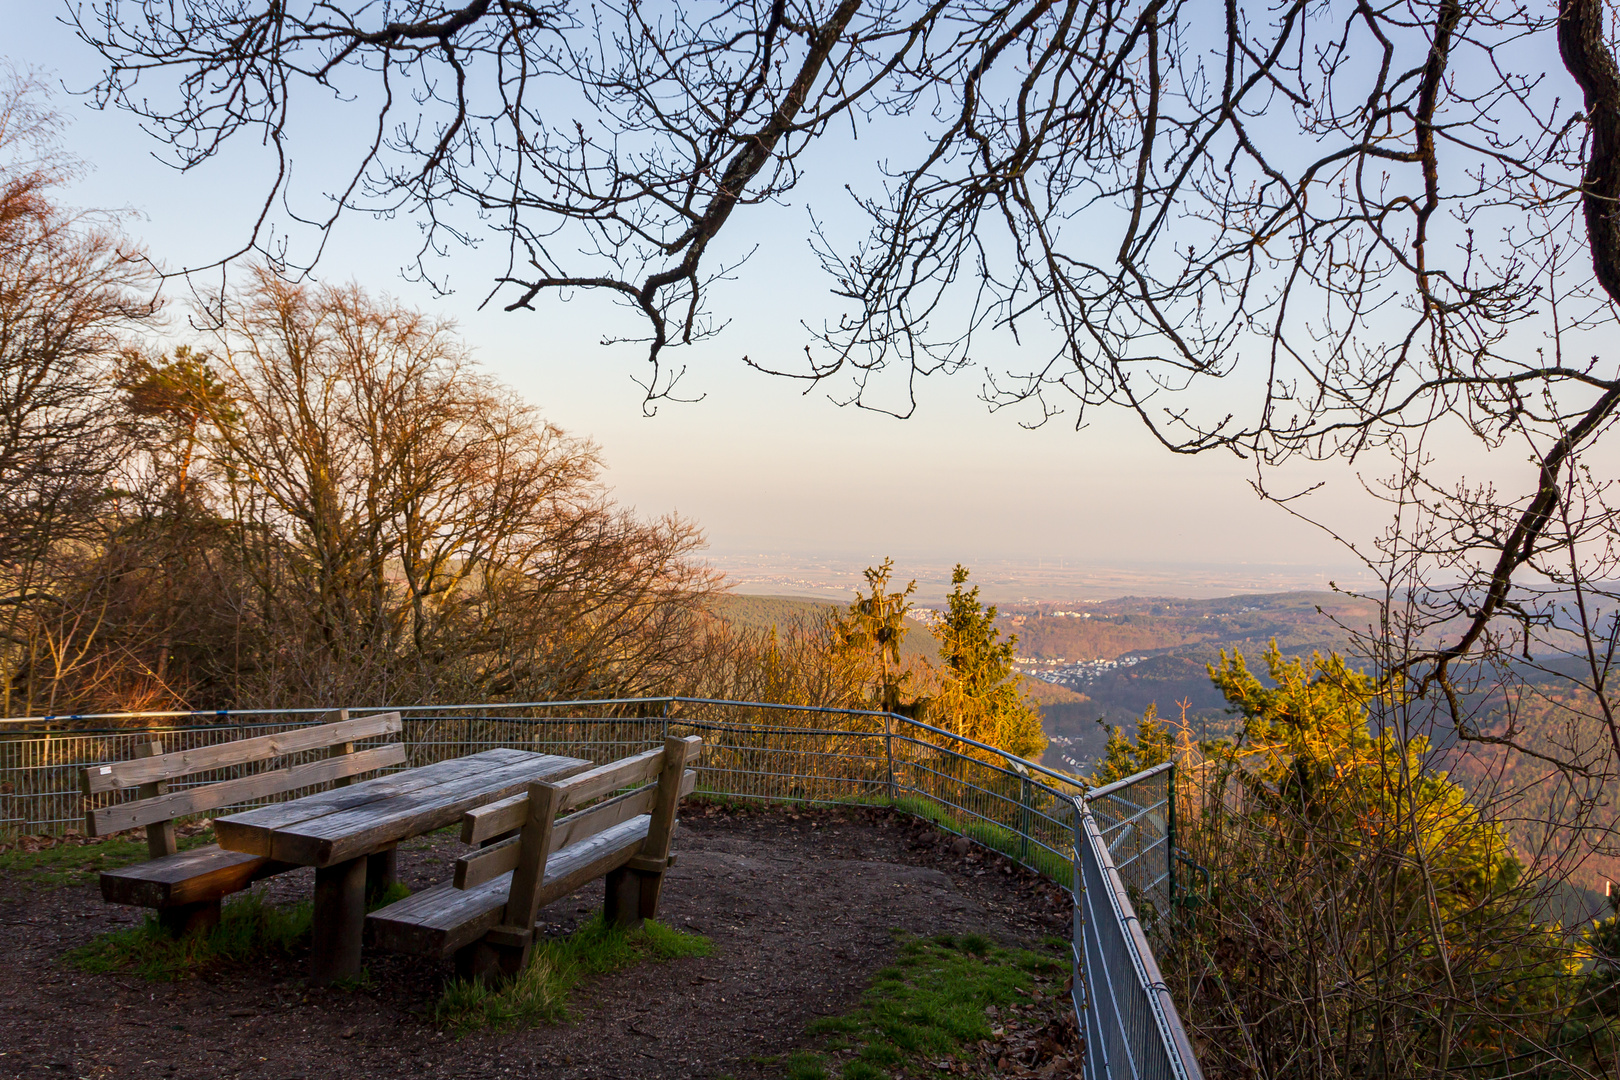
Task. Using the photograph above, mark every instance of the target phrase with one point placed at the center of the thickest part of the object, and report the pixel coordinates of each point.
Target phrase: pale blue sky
(762, 467)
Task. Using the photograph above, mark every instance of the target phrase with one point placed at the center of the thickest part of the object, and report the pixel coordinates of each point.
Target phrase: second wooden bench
(484, 917)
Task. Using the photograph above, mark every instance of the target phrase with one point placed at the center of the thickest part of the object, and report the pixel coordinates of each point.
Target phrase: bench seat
(439, 921)
(186, 877)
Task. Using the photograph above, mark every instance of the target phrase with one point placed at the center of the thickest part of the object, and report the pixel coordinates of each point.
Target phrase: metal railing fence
(753, 751)
(1124, 870)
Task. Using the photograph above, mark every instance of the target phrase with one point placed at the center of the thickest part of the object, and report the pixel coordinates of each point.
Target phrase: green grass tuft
(391, 895)
(861, 1070)
(248, 930)
(995, 837)
(929, 1004)
(803, 1066)
(540, 993)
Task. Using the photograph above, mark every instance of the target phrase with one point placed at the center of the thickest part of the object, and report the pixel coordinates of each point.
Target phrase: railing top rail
(1133, 779)
(157, 714)
(1071, 781)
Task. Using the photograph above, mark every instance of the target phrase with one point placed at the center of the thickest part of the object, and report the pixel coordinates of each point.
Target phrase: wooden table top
(344, 823)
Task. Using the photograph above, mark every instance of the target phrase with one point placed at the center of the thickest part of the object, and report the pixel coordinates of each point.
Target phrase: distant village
(1075, 675)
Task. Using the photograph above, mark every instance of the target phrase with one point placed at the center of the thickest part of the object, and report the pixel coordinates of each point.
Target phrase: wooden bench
(186, 886)
(484, 917)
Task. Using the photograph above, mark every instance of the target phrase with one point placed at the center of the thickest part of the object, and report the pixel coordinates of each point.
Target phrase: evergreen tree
(873, 628)
(1154, 745)
(1348, 835)
(981, 697)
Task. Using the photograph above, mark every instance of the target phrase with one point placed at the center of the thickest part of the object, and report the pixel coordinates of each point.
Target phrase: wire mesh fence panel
(41, 773)
(1136, 818)
(992, 803)
(1132, 1029)
(437, 737)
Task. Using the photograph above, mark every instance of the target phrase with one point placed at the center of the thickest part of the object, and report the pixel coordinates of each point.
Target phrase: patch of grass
(930, 1004)
(804, 1066)
(248, 930)
(74, 864)
(1004, 841)
(540, 993)
(391, 895)
(861, 1070)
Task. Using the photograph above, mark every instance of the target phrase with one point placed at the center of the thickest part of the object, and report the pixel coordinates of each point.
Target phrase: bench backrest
(149, 774)
(664, 779)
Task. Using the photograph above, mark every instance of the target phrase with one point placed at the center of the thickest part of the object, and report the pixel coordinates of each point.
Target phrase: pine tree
(873, 629)
(981, 698)
(1154, 745)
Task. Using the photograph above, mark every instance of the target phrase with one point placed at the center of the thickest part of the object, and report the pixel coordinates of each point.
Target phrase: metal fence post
(1025, 794)
(1078, 995)
(888, 742)
(1170, 842)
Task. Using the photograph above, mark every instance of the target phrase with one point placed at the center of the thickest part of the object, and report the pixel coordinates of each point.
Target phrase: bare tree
(70, 290)
(1376, 220)
(412, 529)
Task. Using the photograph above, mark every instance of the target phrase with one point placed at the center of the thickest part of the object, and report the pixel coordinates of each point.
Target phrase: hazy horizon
(1011, 581)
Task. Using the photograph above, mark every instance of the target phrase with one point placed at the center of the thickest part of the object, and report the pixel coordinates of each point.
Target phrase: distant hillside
(1151, 625)
(1046, 693)
(781, 612)
(1161, 647)
(764, 612)
(1171, 639)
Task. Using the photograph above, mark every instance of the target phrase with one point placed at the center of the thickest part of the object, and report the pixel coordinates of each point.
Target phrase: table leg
(339, 921)
(382, 873)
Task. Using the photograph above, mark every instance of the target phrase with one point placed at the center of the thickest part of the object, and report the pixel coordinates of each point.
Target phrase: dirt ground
(802, 908)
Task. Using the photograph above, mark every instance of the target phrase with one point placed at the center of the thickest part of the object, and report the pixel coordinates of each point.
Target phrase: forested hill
(1123, 655)
(1150, 626)
(764, 612)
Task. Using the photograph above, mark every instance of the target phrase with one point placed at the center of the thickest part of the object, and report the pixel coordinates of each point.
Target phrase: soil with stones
(801, 906)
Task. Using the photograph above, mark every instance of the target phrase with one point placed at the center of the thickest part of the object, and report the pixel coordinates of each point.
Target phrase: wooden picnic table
(339, 831)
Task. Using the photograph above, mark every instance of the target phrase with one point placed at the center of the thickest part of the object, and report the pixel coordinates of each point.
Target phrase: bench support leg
(490, 964)
(382, 873)
(651, 885)
(339, 920)
(632, 895)
(183, 919)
